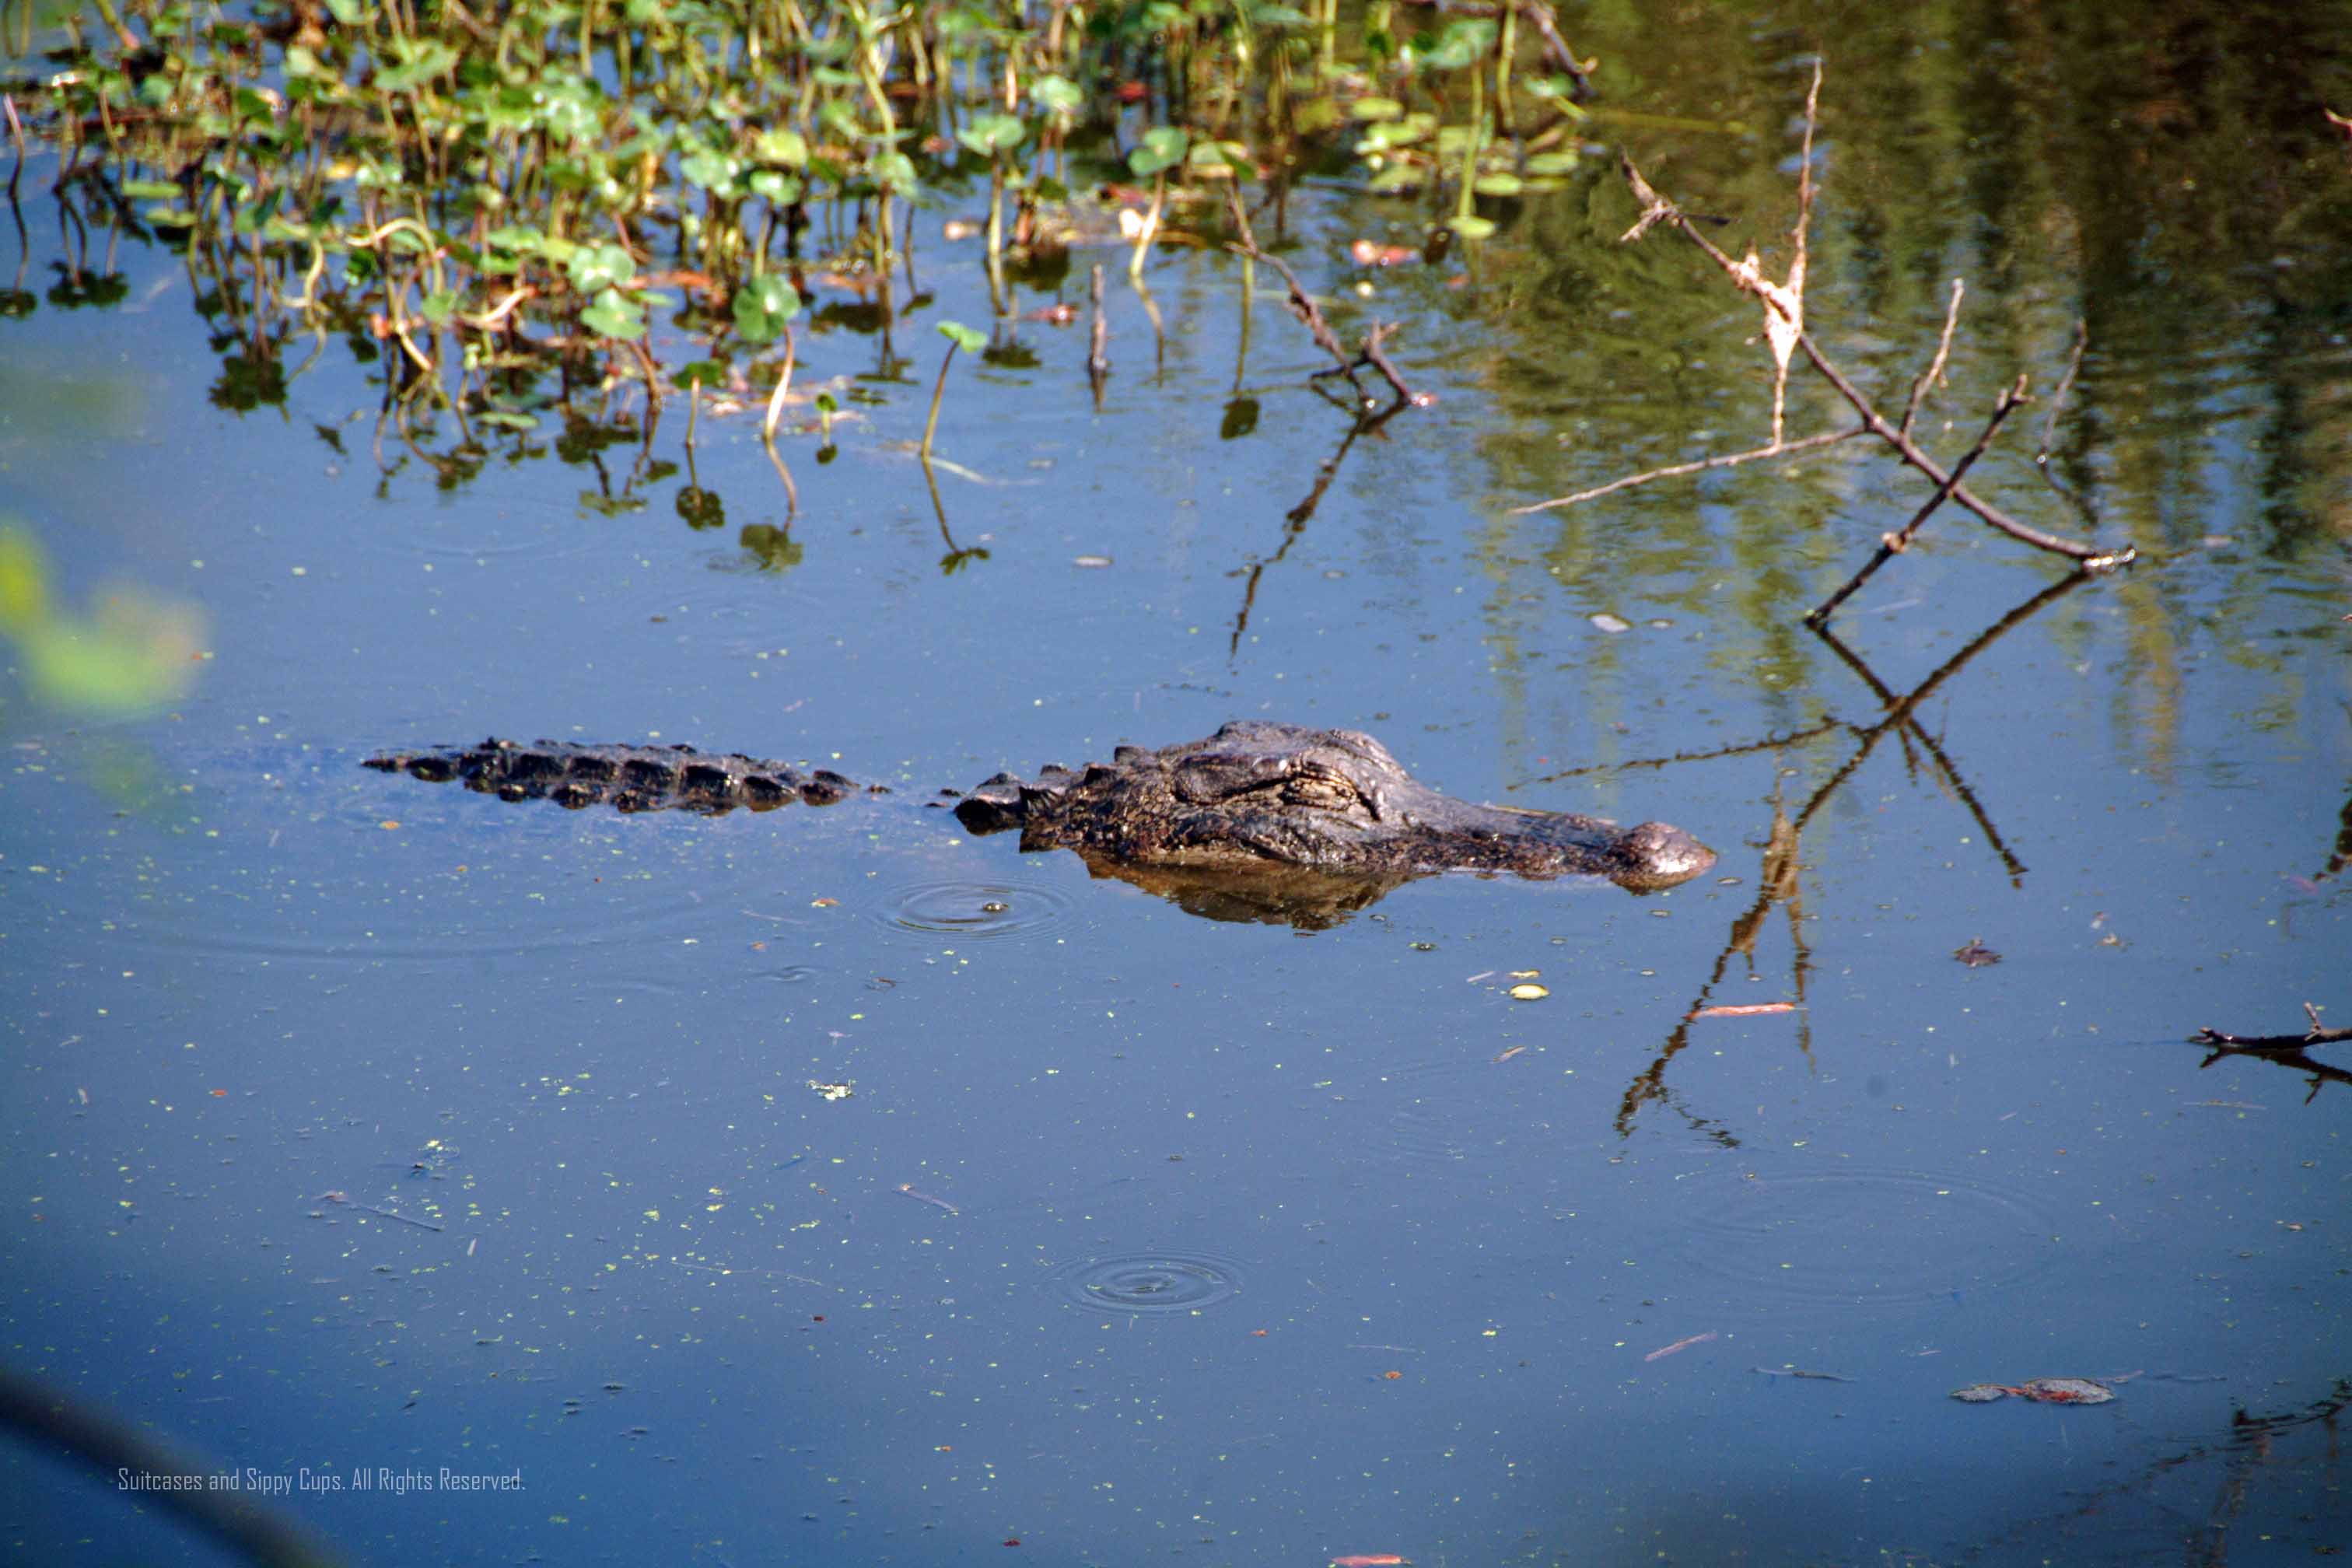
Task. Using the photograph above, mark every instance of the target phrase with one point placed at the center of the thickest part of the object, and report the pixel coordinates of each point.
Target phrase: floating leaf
(2046, 1390)
(1471, 227)
(2064, 1391)
(1529, 992)
(963, 337)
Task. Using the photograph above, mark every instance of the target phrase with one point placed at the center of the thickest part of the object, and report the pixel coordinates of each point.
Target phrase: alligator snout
(1659, 855)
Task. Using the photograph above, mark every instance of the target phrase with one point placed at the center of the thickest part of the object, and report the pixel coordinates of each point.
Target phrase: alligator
(1261, 820)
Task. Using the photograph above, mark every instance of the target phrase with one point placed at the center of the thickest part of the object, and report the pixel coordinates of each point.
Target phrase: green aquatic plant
(958, 336)
(503, 210)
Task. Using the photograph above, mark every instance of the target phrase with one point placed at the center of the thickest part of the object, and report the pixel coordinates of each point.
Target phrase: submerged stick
(2315, 1036)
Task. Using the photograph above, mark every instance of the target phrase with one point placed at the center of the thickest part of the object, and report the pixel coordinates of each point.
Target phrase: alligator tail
(629, 778)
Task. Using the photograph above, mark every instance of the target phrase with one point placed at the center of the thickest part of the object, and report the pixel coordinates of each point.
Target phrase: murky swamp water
(1139, 1236)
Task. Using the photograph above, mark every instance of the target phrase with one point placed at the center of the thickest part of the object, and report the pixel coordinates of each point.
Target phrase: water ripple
(1150, 1283)
(972, 911)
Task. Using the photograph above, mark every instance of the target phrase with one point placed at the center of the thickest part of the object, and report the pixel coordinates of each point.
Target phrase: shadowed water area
(830, 1184)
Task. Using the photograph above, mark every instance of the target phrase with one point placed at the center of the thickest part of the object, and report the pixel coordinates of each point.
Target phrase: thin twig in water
(381, 1213)
(2318, 1034)
(1741, 748)
(1303, 306)
(1892, 544)
(1800, 1372)
(1675, 471)
(925, 1197)
(2074, 498)
(1934, 375)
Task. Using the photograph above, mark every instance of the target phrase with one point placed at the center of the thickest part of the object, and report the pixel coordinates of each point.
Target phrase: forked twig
(1310, 315)
(1785, 328)
(1892, 544)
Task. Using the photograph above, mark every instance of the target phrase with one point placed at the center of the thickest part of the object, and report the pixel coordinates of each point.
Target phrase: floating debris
(1665, 1351)
(1508, 1055)
(2045, 1390)
(925, 1197)
(833, 1090)
(1610, 623)
(1369, 253)
(1745, 1010)
(1801, 1372)
(1975, 954)
(1529, 992)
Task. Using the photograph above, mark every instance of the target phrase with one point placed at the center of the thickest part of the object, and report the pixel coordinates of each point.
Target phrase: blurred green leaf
(992, 134)
(612, 316)
(24, 581)
(763, 306)
(1162, 149)
(600, 266)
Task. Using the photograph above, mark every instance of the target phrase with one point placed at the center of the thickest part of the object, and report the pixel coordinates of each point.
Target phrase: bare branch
(2088, 554)
(1894, 544)
(1779, 449)
(1935, 372)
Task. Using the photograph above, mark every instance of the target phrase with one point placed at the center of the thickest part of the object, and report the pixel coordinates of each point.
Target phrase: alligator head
(1332, 801)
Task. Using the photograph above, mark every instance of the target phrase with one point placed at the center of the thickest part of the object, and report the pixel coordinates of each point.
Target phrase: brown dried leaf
(2064, 1391)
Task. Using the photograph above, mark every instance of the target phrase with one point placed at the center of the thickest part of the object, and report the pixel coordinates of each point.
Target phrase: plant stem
(937, 391)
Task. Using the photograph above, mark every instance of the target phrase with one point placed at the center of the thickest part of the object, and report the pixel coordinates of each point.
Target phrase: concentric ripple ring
(1150, 1283)
(972, 910)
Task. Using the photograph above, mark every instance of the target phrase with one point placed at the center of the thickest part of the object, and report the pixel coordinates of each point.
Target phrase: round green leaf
(763, 306)
(963, 337)
(594, 267)
(612, 316)
(1162, 149)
